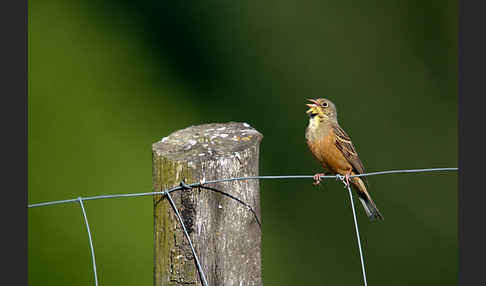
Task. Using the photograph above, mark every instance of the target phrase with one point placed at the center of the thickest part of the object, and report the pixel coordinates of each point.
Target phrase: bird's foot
(317, 178)
(346, 177)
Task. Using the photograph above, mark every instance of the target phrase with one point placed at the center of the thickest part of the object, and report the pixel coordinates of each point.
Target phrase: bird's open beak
(312, 106)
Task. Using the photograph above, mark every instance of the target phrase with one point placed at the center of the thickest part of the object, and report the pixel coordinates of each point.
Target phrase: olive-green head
(323, 108)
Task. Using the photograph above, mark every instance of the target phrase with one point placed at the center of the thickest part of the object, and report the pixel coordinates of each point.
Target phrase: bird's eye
(324, 104)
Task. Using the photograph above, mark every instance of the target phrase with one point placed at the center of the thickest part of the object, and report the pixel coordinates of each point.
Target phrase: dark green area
(109, 78)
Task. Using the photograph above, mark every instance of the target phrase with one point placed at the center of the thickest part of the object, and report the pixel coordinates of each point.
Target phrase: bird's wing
(344, 144)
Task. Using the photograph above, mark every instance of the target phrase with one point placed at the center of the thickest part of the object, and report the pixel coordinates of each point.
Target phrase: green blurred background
(109, 78)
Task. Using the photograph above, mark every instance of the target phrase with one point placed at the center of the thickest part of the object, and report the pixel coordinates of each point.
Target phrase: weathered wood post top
(226, 232)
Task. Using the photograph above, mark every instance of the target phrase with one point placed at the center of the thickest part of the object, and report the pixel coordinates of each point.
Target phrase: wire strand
(183, 185)
(199, 267)
(248, 206)
(170, 190)
(80, 200)
(357, 232)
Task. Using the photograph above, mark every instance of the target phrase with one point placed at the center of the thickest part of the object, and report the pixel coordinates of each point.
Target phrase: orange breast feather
(330, 157)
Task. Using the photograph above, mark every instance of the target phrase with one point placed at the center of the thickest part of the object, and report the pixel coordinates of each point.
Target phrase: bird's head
(322, 109)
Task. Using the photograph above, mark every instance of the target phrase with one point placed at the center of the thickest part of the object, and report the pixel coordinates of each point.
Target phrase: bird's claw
(345, 179)
(317, 178)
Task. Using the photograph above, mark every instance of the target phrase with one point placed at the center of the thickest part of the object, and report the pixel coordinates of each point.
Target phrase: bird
(332, 147)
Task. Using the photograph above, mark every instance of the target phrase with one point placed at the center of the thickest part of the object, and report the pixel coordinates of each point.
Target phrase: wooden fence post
(225, 233)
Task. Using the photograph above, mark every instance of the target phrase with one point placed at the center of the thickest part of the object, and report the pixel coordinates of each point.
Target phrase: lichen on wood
(225, 233)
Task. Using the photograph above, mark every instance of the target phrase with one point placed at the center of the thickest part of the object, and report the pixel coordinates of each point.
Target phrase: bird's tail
(370, 207)
(365, 199)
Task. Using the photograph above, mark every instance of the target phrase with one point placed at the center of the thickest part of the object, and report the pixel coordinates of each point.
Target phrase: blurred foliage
(109, 78)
